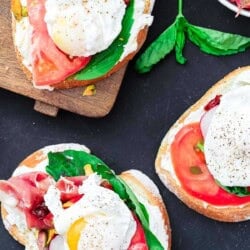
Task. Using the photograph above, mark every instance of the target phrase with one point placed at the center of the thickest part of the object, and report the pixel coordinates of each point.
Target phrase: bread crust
(71, 83)
(140, 187)
(226, 214)
(40, 155)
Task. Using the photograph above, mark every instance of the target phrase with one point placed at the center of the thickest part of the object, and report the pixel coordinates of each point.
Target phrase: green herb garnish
(238, 191)
(209, 41)
(200, 146)
(72, 162)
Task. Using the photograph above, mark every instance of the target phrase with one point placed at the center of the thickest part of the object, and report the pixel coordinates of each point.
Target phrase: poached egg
(227, 143)
(99, 220)
(84, 27)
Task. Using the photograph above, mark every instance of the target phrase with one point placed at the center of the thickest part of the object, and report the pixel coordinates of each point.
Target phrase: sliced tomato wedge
(191, 169)
(49, 64)
(138, 241)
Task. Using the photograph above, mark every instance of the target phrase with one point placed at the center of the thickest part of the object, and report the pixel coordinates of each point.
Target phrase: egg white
(227, 143)
(109, 222)
(83, 28)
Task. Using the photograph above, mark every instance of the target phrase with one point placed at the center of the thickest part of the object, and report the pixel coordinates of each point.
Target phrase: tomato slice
(49, 64)
(138, 241)
(191, 169)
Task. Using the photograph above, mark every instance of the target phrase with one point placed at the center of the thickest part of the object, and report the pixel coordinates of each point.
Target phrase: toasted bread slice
(164, 166)
(69, 82)
(145, 190)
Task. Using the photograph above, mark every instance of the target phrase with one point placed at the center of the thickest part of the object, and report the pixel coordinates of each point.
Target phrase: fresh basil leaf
(216, 42)
(104, 61)
(238, 191)
(180, 40)
(162, 46)
(142, 214)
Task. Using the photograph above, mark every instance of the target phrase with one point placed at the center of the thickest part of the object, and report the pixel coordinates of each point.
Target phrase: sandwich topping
(211, 157)
(82, 40)
(227, 144)
(84, 28)
(73, 200)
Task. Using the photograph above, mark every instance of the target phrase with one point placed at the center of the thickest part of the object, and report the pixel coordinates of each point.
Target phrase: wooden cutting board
(49, 102)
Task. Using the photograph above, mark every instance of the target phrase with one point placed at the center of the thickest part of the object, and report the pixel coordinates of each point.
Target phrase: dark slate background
(130, 135)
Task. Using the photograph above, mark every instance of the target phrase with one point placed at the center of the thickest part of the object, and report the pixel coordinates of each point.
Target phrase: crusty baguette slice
(165, 169)
(69, 82)
(141, 185)
(144, 187)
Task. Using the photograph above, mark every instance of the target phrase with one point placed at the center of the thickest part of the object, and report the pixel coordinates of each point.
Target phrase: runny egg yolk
(74, 233)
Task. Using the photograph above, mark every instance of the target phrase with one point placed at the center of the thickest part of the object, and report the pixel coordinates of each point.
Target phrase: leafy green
(180, 40)
(157, 50)
(140, 210)
(209, 41)
(239, 191)
(72, 162)
(104, 61)
(216, 42)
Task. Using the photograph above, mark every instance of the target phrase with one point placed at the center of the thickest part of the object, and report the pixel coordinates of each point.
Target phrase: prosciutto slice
(26, 192)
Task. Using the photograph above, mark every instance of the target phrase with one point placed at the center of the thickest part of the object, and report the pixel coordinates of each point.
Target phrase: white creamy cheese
(227, 144)
(109, 222)
(22, 40)
(141, 19)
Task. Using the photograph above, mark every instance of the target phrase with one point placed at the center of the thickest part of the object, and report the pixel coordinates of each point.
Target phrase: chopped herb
(199, 146)
(196, 170)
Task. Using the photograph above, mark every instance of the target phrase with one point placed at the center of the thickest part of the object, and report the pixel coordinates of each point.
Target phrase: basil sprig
(72, 162)
(104, 61)
(210, 41)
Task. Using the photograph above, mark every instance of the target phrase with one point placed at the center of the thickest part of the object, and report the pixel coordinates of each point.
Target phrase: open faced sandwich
(204, 159)
(63, 197)
(64, 44)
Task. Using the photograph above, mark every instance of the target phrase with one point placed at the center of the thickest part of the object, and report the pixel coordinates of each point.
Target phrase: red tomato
(49, 64)
(191, 170)
(138, 241)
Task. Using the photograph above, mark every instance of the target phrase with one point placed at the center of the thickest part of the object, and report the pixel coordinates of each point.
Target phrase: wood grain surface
(48, 102)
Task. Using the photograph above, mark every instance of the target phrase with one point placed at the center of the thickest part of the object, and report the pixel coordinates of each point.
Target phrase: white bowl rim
(235, 8)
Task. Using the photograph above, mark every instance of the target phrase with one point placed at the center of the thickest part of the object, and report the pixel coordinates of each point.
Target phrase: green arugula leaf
(72, 162)
(161, 47)
(238, 191)
(104, 61)
(216, 42)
